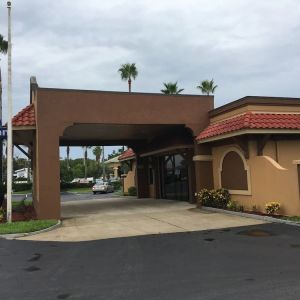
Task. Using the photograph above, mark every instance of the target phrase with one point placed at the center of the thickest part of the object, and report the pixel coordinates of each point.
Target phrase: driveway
(104, 218)
(215, 264)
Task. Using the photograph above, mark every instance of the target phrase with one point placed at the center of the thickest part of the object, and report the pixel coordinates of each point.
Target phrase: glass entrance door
(175, 177)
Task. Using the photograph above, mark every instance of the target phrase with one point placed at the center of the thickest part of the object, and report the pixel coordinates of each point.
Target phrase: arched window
(234, 172)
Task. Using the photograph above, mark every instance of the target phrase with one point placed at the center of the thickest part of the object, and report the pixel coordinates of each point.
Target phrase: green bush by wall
(213, 198)
(132, 191)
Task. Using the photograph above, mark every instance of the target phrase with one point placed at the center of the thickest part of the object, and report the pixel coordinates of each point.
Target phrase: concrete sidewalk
(122, 217)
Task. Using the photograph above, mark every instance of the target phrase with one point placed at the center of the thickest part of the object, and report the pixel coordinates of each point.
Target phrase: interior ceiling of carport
(113, 134)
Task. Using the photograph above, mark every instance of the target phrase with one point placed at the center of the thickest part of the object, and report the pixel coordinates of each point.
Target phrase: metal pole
(103, 165)
(9, 121)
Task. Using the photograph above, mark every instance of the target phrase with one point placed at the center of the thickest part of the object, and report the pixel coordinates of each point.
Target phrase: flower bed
(221, 199)
(21, 211)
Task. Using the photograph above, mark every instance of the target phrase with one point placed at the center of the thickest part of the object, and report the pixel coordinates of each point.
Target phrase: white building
(22, 173)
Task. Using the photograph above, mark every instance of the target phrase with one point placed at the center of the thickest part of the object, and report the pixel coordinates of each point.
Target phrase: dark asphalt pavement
(218, 264)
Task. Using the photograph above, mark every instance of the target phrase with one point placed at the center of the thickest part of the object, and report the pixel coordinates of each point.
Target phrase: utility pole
(9, 121)
(103, 165)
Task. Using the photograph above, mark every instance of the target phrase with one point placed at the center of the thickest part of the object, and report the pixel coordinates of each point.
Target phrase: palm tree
(3, 50)
(68, 157)
(103, 164)
(97, 152)
(85, 154)
(171, 88)
(207, 87)
(128, 72)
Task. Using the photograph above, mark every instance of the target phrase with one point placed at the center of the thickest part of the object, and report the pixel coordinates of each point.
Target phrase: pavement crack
(162, 221)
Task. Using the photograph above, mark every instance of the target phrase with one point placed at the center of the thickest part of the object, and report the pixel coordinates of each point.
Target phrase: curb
(251, 216)
(11, 236)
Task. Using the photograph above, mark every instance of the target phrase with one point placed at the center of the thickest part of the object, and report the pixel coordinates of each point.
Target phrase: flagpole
(9, 122)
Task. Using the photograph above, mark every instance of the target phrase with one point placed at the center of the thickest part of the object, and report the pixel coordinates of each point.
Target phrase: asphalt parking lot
(250, 262)
(70, 196)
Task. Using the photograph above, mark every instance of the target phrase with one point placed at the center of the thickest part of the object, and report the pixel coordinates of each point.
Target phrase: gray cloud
(248, 47)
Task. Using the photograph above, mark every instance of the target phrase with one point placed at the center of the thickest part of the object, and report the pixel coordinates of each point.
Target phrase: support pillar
(142, 177)
(203, 167)
(47, 176)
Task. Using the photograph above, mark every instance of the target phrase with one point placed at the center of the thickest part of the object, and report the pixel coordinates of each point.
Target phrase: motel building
(178, 144)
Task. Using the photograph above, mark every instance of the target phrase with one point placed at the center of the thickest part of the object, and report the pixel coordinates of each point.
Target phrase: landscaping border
(11, 236)
(251, 216)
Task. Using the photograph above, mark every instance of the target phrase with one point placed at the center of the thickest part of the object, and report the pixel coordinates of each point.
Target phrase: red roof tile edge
(128, 154)
(252, 120)
(26, 117)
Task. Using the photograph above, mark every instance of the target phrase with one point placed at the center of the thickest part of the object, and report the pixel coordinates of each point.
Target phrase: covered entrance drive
(106, 218)
(161, 130)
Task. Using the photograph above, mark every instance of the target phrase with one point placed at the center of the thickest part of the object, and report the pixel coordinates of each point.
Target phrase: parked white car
(102, 187)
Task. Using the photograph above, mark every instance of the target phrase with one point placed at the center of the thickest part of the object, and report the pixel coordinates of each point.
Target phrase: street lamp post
(9, 121)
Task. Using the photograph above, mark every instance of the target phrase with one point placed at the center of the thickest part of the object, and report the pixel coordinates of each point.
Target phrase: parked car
(102, 187)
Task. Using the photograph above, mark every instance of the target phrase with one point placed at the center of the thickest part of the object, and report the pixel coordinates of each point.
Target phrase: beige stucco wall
(129, 180)
(269, 180)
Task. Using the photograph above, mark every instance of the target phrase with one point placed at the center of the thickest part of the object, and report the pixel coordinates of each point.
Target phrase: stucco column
(47, 175)
(142, 177)
(203, 167)
(116, 172)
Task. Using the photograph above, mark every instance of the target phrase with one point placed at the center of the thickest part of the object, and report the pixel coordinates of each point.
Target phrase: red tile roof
(251, 120)
(26, 117)
(128, 154)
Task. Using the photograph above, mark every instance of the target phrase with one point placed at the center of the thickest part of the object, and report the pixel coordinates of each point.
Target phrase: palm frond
(3, 45)
(128, 71)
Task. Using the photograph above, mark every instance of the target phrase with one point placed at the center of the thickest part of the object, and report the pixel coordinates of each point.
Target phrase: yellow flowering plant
(272, 207)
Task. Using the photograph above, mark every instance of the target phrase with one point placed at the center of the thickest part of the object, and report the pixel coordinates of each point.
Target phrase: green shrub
(204, 197)
(214, 198)
(19, 187)
(221, 198)
(75, 185)
(132, 191)
(2, 214)
(272, 208)
(232, 205)
(117, 185)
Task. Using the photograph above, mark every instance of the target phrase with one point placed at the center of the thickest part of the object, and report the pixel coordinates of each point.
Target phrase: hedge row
(18, 187)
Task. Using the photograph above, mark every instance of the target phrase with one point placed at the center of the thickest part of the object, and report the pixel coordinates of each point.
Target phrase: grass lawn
(26, 226)
(18, 204)
(293, 218)
(119, 193)
(78, 190)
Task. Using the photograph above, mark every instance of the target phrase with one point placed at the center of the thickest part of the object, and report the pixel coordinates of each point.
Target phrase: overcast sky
(248, 47)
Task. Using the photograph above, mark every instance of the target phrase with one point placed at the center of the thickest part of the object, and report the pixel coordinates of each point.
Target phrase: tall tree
(128, 72)
(68, 158)
(97, 152)
(103, 164)
(171, 88)
(3, 50)
(85, 155)
(207, 87)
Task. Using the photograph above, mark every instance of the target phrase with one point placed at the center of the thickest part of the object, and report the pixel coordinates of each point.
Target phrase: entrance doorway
(175, 185)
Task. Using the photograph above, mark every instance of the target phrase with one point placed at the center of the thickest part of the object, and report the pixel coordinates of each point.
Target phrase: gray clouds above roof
(248, 47)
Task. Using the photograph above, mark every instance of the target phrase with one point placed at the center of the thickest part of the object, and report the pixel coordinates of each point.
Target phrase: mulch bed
(263, 214)
(27, 213)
